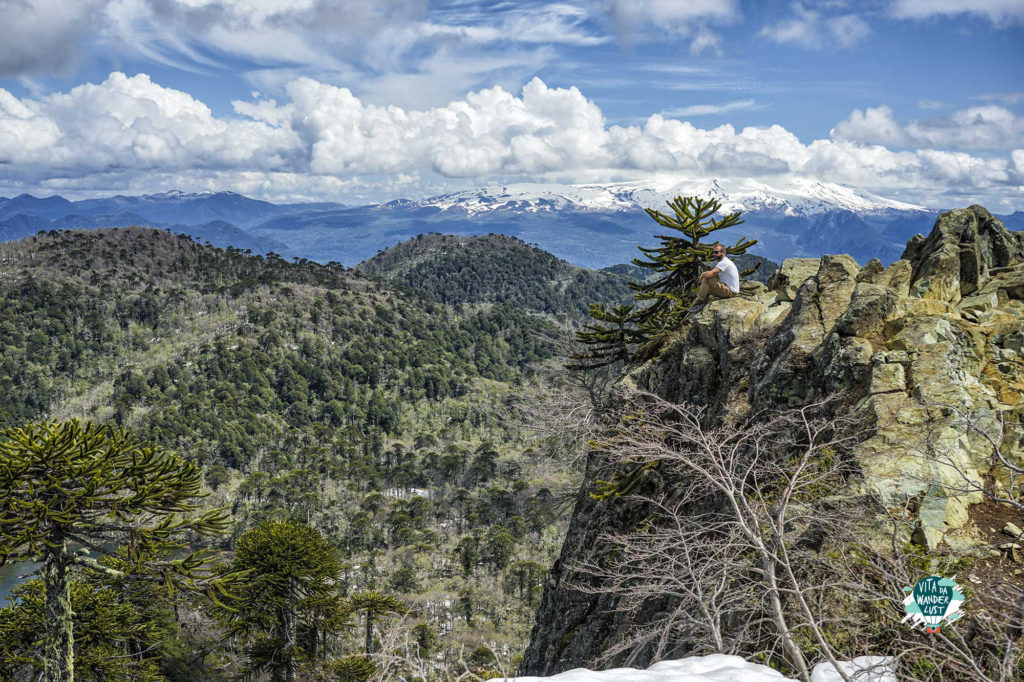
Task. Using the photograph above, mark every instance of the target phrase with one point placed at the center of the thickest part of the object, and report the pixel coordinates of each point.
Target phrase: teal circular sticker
(933, 601)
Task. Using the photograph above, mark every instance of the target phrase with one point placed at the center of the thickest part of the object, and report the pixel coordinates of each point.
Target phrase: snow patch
(722, 668)
(861, 669)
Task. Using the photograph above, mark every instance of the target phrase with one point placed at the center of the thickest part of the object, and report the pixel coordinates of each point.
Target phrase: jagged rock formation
(915, 346)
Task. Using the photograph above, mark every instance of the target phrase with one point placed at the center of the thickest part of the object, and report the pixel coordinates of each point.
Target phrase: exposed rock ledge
(941, 328)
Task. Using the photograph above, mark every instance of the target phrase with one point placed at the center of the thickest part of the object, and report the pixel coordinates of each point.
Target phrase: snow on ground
(721, 668)
(862, 669)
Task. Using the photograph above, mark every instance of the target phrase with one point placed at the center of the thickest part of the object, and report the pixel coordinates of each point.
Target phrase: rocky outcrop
(915, 348)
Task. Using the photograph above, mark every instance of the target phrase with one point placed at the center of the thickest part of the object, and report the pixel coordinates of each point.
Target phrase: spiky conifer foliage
(106, 631)
(375, 606)
(628, 333)
(73, 488)
(290, 585)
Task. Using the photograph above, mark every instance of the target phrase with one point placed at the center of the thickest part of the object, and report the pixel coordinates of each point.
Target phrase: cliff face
(915, 347)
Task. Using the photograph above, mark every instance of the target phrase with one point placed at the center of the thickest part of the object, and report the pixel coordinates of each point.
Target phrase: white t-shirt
(729, 275)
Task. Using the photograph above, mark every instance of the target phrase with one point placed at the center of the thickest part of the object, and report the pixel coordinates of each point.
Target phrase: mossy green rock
(914, 347)
(791, 274)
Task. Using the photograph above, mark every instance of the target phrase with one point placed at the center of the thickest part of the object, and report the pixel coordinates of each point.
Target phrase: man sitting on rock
(721, 281)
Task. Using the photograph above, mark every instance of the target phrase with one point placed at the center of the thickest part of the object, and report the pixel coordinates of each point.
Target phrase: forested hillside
(309, 393)
(495, 269)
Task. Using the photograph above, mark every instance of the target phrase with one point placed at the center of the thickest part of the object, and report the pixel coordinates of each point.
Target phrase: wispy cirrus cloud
(710, 109)
(371, 45)
(694, 20)
(44, 36)
(814, 29)
(1006, 99)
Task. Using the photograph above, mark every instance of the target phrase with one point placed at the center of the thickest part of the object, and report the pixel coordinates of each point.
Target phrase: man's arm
(710, 273)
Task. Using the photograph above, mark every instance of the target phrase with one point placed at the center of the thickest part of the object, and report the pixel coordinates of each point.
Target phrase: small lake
(11, 575)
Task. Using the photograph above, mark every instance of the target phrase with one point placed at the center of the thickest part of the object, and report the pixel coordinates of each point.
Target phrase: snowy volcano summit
(786, 197)
(601, 224)
(593, 225)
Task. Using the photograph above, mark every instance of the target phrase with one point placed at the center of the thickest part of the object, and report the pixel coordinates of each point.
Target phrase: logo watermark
(932, 602)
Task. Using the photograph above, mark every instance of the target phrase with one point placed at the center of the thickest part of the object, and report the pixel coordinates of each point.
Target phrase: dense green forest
(495, 268)
(379, 418)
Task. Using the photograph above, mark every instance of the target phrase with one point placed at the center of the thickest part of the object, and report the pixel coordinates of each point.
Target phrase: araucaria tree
(291, 581)
(70, 489)
(375, 606)
(622, 332)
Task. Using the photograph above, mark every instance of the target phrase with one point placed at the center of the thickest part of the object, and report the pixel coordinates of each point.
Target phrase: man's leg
(718, 289)
(705, 289)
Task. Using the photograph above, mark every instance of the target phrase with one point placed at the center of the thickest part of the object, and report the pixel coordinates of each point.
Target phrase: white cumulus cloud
(131, 123)
(983, 127)
(323, 142)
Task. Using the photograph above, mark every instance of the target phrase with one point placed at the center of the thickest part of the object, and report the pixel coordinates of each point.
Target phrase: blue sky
(919, 100)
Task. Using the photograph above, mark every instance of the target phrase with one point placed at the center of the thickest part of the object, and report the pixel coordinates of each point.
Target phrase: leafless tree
(734, 532)
(755, 543)
(986, 646)
(569, 408)
(399, 657)
(1004, 439)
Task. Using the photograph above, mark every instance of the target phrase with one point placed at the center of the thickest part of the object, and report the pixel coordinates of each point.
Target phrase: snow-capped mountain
(789, 197)
(601, 224)
(594, 225)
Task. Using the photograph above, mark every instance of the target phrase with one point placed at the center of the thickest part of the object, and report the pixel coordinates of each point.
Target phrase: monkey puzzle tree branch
(91, 484)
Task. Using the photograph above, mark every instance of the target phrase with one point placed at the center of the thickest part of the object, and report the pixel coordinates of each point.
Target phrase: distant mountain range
(593, 225)
(208, 217)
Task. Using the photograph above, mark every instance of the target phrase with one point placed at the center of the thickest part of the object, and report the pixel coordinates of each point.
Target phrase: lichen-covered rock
(871, 272)
(781, 371)
(687, 371)
(836, 279)
(871, 306)
(957, 256)
(898, 277)
(720, 326)
(917, 346)
(1007, 284)
(889, 377)
(791, 274)
(843, 363)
